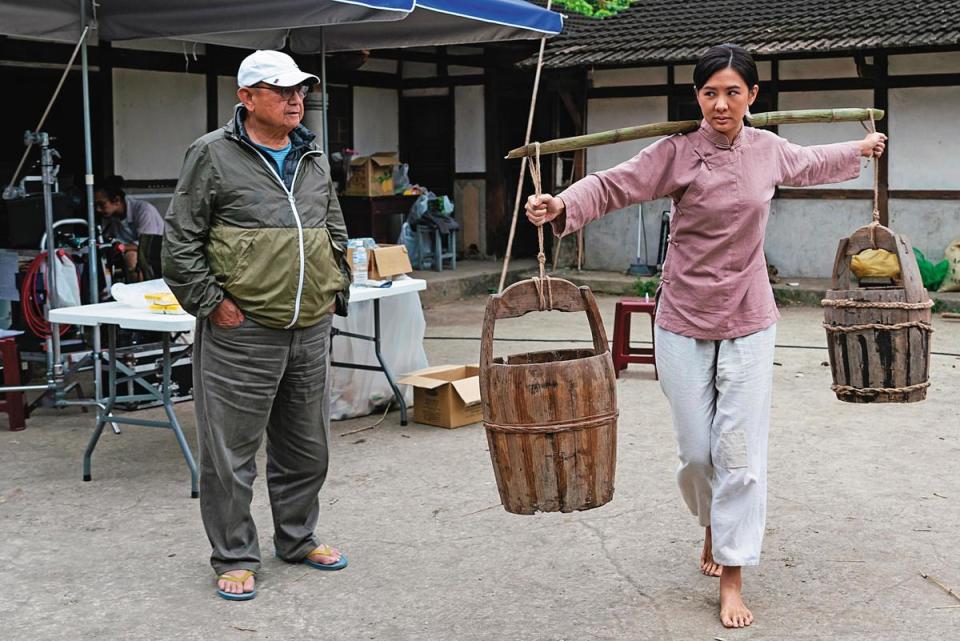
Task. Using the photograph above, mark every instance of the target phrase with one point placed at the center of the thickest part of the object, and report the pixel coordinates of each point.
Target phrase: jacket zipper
(296, 219)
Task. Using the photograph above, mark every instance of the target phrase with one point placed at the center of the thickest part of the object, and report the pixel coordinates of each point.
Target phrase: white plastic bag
(132, 294)
(68, 282)
(355, 392)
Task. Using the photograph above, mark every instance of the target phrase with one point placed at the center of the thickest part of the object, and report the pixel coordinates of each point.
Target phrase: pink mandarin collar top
(714, 284)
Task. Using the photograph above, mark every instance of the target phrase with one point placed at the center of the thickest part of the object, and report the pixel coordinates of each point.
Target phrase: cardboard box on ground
(384, 261)
(372, 175)
(446, 395)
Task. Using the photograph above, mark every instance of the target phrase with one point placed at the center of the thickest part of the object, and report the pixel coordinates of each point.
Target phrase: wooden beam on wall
(573, 110)
(495, 191)
(881, 100)
(213, 91)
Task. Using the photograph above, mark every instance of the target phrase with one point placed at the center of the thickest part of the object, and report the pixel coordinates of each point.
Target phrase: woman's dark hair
(112, 186)
(721, 57)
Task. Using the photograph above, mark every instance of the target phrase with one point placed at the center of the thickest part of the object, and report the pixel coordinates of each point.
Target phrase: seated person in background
(125, 219)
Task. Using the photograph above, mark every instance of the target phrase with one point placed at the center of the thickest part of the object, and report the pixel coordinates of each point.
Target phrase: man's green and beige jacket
(235, 228)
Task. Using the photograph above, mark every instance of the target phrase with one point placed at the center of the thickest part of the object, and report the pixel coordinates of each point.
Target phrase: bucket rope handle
(546, 303)
(876, 186)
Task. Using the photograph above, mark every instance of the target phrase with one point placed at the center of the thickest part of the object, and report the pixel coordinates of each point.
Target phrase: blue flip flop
(339, 565)
(243, 596)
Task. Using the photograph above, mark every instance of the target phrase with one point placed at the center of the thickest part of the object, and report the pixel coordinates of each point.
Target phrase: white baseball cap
(273, 68)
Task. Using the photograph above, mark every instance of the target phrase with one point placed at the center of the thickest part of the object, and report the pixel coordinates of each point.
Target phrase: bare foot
(708, 566)
(733, 611)
(237, 587)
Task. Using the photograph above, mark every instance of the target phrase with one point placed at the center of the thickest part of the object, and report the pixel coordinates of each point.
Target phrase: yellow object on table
(875, 263)
(164, 303)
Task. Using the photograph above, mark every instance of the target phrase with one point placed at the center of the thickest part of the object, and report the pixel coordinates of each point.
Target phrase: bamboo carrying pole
(768, 119)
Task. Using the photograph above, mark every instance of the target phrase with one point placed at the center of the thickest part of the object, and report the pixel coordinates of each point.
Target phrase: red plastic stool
(13, 405)
(622, 352)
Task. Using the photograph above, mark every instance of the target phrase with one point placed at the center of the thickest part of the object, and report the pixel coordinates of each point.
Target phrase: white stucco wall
(802, 235)
(923, 133)
(469, 136)
(922, 63)
(824, 133)
(683, 74)
(376, 120)
(419, 69)
(611, 242)
(380, 65)
(930, 225)
(156, 115)
(628, 77)
(817, 69)
(460, 70)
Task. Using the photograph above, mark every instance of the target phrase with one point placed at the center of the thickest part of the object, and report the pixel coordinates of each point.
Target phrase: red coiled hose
(32, 293)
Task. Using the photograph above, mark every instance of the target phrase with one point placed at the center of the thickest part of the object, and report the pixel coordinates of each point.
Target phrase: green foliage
(932, 275)
(646, 286)
(595, 8)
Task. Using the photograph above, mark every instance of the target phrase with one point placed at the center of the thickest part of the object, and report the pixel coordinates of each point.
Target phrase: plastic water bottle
(359, 265)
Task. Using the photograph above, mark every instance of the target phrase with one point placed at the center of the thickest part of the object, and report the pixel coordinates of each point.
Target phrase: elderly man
(253, 247)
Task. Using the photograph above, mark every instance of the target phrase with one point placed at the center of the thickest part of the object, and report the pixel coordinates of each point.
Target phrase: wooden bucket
(551, 416)
(878, 337)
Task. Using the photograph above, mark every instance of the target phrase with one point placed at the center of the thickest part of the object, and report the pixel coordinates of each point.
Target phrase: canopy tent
(60, 20)
(305, 26)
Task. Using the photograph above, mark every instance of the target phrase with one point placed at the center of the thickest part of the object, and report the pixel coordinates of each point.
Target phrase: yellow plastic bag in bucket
(875, 263)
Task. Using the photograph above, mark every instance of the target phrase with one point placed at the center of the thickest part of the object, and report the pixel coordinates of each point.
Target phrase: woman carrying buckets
(716, 316)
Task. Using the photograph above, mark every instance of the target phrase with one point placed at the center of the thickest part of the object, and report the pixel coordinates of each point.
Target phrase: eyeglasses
(286, 92)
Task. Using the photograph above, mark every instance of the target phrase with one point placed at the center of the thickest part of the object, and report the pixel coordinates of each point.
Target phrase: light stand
(55, 372)
(54, 364)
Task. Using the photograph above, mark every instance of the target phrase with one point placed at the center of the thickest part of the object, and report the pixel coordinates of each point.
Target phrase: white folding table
(114, 316)
(404, 285)
(117, 315)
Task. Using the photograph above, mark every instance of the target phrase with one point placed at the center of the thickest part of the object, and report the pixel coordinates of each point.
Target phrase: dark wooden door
(512, 108)
(426, 141)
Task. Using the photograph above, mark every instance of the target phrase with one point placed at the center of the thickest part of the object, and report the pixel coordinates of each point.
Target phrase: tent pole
(92, 261)
(323, 86)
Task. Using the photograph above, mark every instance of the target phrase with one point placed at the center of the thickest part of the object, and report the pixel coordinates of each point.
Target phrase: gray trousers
(248, 381)
(720, 395)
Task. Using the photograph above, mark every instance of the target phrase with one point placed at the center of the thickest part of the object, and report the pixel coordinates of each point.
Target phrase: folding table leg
(386, 370)
(174, 423)
(104, 413)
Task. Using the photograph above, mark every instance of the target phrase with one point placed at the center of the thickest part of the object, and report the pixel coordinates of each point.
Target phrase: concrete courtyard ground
(862, 499)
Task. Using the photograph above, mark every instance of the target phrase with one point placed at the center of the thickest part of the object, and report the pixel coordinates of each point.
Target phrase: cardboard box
(384, 261)
(372, 175)
(446, 395)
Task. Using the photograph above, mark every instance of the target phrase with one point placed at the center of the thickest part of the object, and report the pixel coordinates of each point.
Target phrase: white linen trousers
(720, 394)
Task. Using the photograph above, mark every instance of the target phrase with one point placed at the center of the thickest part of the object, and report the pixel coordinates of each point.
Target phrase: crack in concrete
(623, 574)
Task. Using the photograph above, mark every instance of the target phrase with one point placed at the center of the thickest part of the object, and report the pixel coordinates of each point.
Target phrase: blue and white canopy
(436, 22)
(301, 24)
